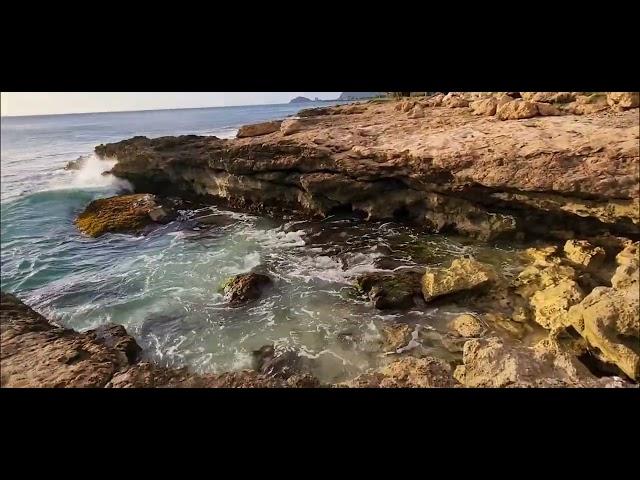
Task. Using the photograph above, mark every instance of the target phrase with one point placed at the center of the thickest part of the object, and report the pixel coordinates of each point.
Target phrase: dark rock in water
(395, 291)
(214, 219)
(245, 287)
(116, 337)
(76, 164)
(283, 364)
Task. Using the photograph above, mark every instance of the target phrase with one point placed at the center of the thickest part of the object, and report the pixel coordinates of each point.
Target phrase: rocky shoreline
(557, 172)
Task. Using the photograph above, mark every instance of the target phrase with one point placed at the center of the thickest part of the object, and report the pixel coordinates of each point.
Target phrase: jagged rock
(259, 129)
(516, 110)
(393, 291)
(408, 372)
(463, 274)
(76, 164)
(116, 337)
(467, 325)
(125, 213)
(484, 107)
(494, 363)
(395, 336)
(623, 100)
(245, 287)
(583, 253)
(608, 318)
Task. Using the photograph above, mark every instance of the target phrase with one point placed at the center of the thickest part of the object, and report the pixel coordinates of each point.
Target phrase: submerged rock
(390, 291)
(463, 274)
(245, 287)
(116, 337)
(124, 213)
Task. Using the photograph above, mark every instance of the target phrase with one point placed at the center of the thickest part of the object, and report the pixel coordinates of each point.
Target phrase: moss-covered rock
(124, 213)
(390, 291)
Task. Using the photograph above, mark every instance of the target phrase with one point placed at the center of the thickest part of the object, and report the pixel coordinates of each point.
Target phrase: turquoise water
(163, 286)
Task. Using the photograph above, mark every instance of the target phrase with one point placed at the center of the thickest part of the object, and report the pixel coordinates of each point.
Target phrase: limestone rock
(484, 107)
(259, 129)
(548, 97)
(467, 326)
(494, 363)
(581, 252)
(291, 126)
(516, 110)
(463, 274)
(453, 100)
(125, 213)
(624, 100)
(245, 287)
(408, 372)
(546, 109)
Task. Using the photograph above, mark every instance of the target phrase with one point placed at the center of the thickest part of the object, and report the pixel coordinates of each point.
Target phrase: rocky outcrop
(258, 129)
(494, 363)
(36, 353)
(467, 325)
(408, 372)
(557, 176)
(125, 213)
(245, 287)
(464, 274)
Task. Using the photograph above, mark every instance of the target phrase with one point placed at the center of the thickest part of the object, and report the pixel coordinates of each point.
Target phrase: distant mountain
(358, 95)
(300, 100)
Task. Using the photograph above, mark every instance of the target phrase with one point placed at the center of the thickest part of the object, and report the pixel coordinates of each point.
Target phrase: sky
(45, 103)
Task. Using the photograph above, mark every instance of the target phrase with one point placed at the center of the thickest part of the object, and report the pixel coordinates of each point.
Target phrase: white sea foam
(90, 175)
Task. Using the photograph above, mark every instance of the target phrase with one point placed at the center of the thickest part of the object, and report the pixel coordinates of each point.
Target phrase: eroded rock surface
(464, 274)
(446, 168)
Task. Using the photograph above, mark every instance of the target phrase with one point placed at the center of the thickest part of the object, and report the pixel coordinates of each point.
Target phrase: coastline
(561, 179)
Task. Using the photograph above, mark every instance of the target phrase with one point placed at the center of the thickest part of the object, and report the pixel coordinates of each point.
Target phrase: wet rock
(463, 274)
(124, 213)
(623, 100)
(76, 164)
(516, 110)
(116, 337)
(259, 129)
(408, 372)
(214, 220)
(390, 291)
(245, 287)
(467, 325)
(35, 353)
(281, 363)
(494, 363)
(395, 336)
(485, 107)
(581, 252)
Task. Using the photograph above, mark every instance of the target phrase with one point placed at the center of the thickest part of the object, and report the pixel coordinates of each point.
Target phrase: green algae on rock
(124, 213)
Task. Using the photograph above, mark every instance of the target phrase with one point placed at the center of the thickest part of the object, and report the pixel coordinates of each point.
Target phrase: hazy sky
(42, 103)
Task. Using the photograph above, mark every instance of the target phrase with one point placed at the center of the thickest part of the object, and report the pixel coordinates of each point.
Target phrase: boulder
(484, 107)
(516, 110)
(124, 213)
(463, 274)
(390, 291)
(416, 112)
(623, 100)
(245, 287)
(548, 97)
(259, 129)
(546, 109)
